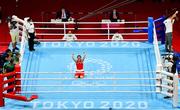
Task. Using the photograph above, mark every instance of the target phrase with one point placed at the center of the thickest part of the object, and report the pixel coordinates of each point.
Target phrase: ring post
(64, 28)
(150, 29)
(158, 82)
(108, 30)
(1, 90)
(157, 54)
(175, 90)
(18, 76)
(163, 31)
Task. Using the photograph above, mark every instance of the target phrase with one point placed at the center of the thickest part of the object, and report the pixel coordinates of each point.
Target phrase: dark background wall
(44, 10)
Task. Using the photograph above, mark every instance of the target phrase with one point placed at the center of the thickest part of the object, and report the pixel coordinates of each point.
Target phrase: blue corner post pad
(163, 33)
(150, 29)
(162, 28)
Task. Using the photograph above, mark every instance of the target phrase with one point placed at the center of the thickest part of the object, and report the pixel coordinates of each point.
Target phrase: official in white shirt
(70, 36)
(169, 29)
(117, 37)
(31, 31)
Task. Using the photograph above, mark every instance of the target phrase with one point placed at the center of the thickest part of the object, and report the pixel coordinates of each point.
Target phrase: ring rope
(94, 40)
(94, 85)
(89, 85)
(54, 34)
(87, 79)
(26, 92)
(90, 28)
(126, 22)
(167, 74)
(133, 72)
(167, 80)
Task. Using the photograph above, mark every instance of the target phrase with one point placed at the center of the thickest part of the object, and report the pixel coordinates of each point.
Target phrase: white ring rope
(91, 34)
(96, 85)
(167, 80)
(30, 92)
(140, 92)
(167, 74)
(87, 72)
(92, 85)
(167, 87)
(127, 22)
(167, 94)
(87, 79)
(94, 40)
(91, 28)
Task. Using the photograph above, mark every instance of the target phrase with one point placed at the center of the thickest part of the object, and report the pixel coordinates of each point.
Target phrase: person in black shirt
(173, 59)
(114, 16)
(0, 14)
(63, 14)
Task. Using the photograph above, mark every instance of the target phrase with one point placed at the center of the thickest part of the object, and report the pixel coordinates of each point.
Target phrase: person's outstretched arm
(84, 56)
(73, 57)
(174, 16)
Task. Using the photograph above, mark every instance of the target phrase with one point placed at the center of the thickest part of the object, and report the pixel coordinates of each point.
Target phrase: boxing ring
(118, 74)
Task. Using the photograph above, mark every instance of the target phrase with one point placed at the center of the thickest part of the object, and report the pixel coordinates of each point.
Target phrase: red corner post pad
(19, 97)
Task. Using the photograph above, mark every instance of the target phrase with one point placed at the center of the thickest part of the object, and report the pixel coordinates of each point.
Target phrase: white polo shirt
(69, 37)
(30, 27)
(117, 37)
(169, 25)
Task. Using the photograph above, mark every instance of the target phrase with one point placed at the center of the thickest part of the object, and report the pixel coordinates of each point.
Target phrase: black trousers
(31, 41)
(64, 20)
(168, 42)
(114, 20)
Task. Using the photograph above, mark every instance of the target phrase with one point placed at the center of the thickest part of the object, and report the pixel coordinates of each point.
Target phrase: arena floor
(135, 59)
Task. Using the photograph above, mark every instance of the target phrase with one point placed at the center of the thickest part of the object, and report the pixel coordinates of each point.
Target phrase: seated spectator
(63, 14)
(8, 51)
(0, 14)
(69, 36)
(168, 63)
(171, 64)
(114, 16)
(1, 64)
(117, 37)
(16, 58)
(175, 60)
(2, 59)
(8, 60)
(8, 64)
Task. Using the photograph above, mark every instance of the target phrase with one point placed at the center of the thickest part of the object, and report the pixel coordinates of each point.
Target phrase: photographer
(14, 32)
(170, 64)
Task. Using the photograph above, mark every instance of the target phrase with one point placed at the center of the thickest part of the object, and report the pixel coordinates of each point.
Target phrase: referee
(31, 32)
